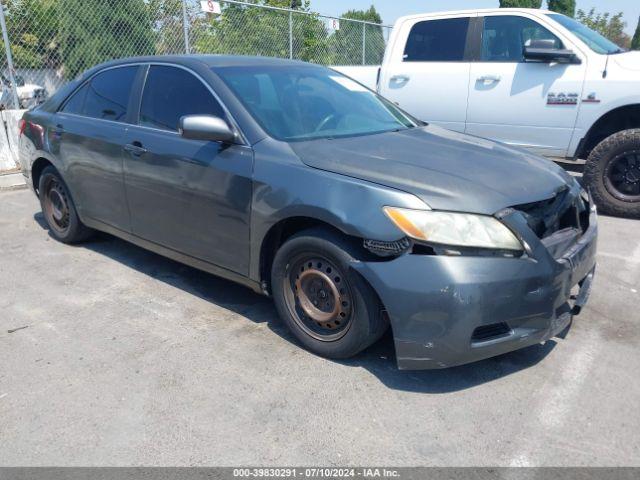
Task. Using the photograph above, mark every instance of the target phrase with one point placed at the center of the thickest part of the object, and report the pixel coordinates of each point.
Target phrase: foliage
(566, 7)
(33, 29)
(611, 26)
(351, 34)
(635, 43)
(520, 3)
(242, 30)
(167, 21)
(73, 35)
(112, 29)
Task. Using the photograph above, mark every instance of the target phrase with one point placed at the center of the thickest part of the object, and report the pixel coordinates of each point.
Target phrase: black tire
(59, 210)
(314, 254)
(612, 174)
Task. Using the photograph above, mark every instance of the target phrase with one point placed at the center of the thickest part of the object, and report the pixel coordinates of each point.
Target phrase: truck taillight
(22, 125)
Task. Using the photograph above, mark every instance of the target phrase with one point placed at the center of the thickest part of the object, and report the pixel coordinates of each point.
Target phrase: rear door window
(108, 94)
(170, 93)
(76, 101)
(437, 41)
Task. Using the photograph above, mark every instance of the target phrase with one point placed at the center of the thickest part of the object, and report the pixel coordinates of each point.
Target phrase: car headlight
(455, 229)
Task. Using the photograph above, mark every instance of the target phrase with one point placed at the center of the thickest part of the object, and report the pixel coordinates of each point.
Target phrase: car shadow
(379, 359)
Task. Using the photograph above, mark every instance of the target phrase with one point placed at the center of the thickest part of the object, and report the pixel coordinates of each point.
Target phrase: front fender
(284, 187)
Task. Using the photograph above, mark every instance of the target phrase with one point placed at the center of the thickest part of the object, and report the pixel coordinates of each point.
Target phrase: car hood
(628, 60)
(447, 170)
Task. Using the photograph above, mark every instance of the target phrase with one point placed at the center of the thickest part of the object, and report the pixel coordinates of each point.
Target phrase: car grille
(558, 221)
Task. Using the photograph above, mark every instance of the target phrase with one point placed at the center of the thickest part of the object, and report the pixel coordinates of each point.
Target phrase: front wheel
(612, 173)
(328, 307)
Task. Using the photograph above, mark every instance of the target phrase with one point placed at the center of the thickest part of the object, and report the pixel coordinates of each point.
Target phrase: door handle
(136, 149)
(58, 129)
(489, 79)
(400, 78)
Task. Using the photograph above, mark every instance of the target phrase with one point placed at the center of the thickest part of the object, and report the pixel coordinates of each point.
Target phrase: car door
(528, 104)
(88, 137)
(192, 196)
(429, 76)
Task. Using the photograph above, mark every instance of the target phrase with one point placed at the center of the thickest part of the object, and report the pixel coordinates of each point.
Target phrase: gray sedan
(303, 185)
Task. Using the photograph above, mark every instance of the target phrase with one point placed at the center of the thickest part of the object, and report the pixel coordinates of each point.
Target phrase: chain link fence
(48, 42)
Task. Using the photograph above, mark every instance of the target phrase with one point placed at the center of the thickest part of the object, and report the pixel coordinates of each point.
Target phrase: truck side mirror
(545, 51)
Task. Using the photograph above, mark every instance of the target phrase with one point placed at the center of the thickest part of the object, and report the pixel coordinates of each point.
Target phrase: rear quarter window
(75, 103)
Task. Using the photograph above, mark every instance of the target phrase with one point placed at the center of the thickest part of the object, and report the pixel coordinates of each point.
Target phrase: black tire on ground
(612, 174)
(59, 210)
(313, 258)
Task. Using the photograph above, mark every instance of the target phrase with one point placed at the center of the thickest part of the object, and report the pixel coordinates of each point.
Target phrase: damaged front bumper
(452, 310)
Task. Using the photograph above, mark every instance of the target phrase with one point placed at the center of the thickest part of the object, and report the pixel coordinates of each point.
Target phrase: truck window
(504, 38)
(437, 41)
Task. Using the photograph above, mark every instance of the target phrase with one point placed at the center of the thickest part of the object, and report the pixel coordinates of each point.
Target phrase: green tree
(167, 22)
(611, 26)
(635, 43)
(93, 31)
(346, 43)
(243, 30)
(566, 7)
(33, 32)
(520, 3)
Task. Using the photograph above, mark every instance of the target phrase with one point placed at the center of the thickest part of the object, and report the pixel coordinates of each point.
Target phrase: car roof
(480, 11)
(210, 61)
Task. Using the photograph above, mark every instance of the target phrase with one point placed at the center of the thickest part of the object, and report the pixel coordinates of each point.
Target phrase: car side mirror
(206, 127)
(545, 51)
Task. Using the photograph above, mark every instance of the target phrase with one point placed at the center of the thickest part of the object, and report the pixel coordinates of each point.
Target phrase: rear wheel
(328, 307)
(612, 173)
(58, 208)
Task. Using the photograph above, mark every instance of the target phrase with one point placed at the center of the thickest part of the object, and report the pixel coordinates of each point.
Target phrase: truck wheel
(328, 307)
(612, 173)
(59, 210)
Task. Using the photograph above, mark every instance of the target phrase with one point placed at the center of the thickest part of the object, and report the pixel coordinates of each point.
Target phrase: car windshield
(594, 40)
(295, 103)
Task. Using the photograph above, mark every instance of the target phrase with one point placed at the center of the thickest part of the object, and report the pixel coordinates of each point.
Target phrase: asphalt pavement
(111, 355)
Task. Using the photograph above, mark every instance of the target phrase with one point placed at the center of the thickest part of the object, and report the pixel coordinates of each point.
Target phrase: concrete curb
(12, 181)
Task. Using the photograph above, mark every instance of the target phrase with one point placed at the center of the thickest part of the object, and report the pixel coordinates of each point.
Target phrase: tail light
(22, 125)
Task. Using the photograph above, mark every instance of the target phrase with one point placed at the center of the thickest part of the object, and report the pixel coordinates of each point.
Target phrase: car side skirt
(175, 255)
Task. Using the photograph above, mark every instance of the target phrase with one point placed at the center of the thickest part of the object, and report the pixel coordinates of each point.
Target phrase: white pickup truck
(529, 78)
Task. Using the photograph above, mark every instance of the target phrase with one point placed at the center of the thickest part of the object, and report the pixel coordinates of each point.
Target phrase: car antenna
(606, 67)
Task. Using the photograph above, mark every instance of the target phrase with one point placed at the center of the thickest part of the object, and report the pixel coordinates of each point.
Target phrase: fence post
(291, 35)
(364, 42)
(185, 27)
(7, 48)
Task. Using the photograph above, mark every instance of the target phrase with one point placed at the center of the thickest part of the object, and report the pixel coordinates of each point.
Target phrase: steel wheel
(56, 206)
(319, 298)
(622, 176)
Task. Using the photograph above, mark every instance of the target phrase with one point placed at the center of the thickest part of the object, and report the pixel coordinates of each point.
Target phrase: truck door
(528, 104)
(427, 71)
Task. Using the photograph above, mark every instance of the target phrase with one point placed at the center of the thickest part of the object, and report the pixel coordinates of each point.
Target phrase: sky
(390, 10)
